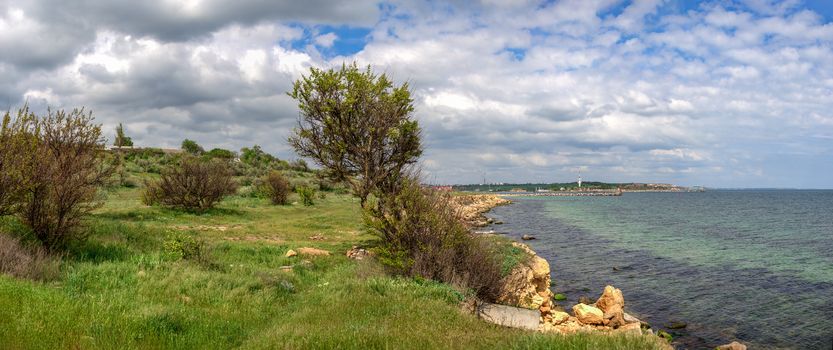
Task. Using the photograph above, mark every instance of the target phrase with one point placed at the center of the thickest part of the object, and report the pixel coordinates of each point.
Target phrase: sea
(754, 266)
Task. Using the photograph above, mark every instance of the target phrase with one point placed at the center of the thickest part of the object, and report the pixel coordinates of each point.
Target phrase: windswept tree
(192, 147)
(122, 140)
(357, 126)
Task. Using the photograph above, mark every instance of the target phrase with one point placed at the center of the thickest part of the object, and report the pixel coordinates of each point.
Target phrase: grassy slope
(120, 290)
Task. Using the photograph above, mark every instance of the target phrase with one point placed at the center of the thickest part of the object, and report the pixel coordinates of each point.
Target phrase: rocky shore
(473, 207)
(526, 300)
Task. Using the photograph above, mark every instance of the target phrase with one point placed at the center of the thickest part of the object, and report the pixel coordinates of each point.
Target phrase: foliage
(192, 147)
(422, 235)
(275, 187)
(17, 137)
(122, 140)
(221, 154)
(179, 245)
(307, 195)
(357, 126)
(192, 184)
(255, 156)
(60, 172)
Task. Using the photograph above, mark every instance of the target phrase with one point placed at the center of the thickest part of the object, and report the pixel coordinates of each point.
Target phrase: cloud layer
(720, 93)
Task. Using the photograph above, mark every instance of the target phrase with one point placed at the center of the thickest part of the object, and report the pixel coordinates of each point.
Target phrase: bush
(184, 246)
(423, 235)
(27, 262)
(63, 172)
(275, 187)
(307, 195)
(193, 184)
(221, 154)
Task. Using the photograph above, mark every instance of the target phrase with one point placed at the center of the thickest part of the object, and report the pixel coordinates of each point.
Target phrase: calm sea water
(754, 266)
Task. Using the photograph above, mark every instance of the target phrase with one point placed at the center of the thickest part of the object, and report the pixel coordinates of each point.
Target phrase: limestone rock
(587, 314)
(630, 319)
(559, 317)
(358, 253)
(732, 346)
(610, 296)
(614, 316)
(313, 251)
(528, 284)
(630, 328)
(290, 253)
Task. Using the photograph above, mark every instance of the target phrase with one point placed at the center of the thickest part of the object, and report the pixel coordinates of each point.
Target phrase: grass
(121, 289)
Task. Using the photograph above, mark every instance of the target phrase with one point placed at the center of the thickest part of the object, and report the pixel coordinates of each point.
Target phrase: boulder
(611, 296)
(290, 253)
(313, 251)
(630, 328)
(588, 314)
(559, 317)
(630, 319)
(358, 253)
(732, 346)
(614, 316)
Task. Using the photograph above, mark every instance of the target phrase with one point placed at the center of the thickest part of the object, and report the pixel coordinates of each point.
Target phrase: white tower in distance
(579, 180)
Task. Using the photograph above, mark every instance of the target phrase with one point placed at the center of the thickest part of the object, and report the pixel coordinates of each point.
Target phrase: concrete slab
(509, 316)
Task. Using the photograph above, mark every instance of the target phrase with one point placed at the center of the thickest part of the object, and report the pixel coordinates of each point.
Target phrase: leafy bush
(179, 245)
(59, 173)
(422, 235)
(27, 262)
(275, 187)
(193, 184)
(307, 195)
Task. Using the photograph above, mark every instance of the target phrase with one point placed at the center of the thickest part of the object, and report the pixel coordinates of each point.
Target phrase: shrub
(16, 139)
(423, 235)
(193, 184)
(307, 195)
(275, 187)
(65, 170)
(27, 262)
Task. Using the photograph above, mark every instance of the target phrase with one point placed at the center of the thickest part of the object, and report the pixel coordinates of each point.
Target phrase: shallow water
(754, 266)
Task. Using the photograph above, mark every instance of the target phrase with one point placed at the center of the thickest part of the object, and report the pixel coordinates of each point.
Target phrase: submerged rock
(585, 300)
(677, 325)
(732, 346)
(527, 237)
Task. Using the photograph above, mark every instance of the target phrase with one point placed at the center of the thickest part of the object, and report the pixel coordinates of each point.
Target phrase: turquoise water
(754, 266)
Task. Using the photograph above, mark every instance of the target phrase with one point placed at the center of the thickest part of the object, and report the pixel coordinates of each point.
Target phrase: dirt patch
(250, 238)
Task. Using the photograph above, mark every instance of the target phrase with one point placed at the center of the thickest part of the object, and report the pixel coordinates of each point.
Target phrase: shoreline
(529, 288)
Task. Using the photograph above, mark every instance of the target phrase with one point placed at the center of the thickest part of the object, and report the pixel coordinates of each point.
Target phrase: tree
(357, 126)
(122, 140)
(192, 147)
(221, 154)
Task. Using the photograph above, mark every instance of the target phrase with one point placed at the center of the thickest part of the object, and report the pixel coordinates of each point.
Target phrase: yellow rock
(588, 314)
(290, 253)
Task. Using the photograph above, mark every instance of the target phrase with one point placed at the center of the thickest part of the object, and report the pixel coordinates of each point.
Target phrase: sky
(716, 93)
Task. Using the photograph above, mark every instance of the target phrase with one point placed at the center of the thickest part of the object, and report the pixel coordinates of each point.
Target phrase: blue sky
(724, 93)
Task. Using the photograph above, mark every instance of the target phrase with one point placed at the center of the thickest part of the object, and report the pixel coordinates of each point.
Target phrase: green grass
(120, 289)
